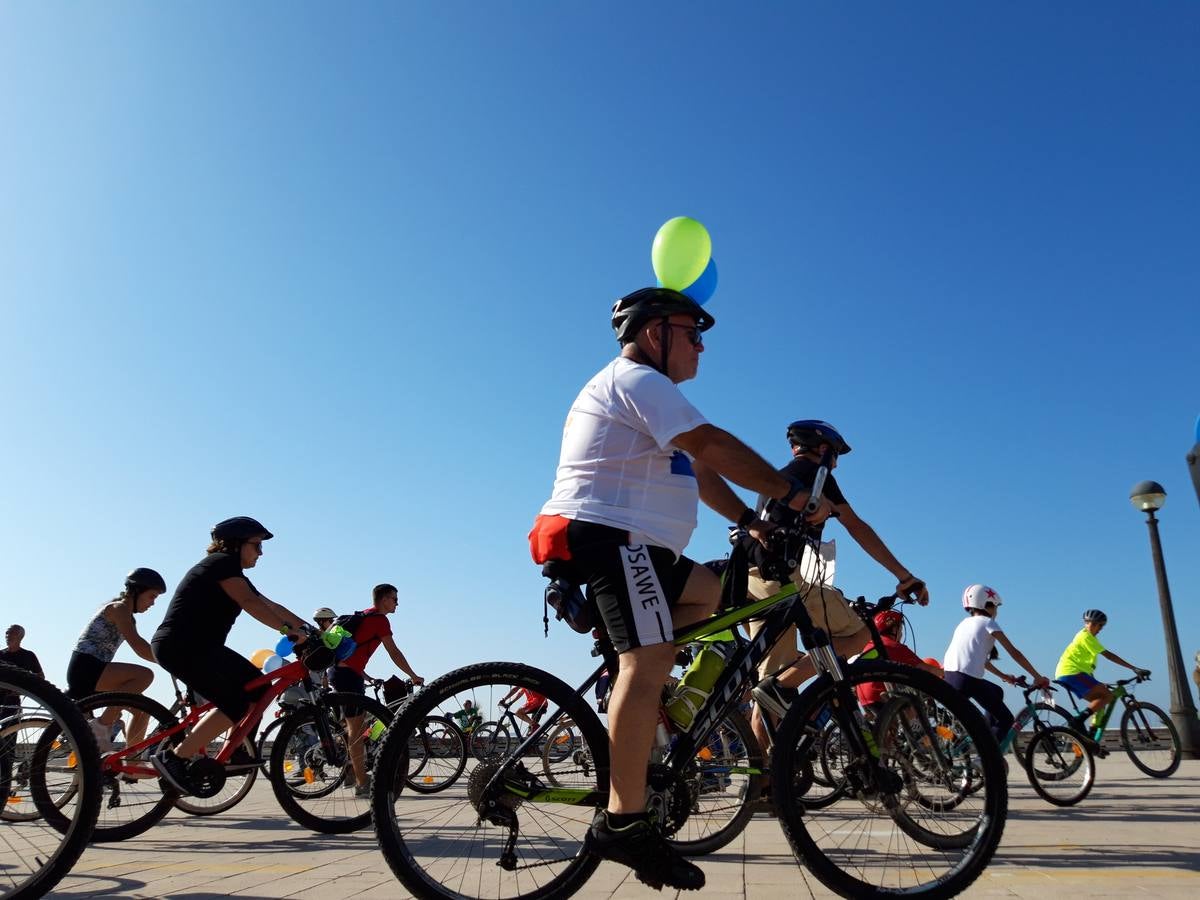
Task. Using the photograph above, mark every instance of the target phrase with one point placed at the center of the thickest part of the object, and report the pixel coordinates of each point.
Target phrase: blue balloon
(285, 647)
(1198, 429)
(702, 289)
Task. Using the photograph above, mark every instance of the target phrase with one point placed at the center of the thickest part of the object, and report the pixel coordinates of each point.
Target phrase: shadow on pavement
(1114, 857)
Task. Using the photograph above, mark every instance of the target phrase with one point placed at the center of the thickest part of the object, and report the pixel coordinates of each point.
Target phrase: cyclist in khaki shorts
(809, 439)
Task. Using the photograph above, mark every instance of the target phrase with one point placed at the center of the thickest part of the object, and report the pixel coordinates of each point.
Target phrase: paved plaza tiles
(1133, 837)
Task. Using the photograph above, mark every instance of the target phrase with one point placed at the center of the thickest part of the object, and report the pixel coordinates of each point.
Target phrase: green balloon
(680, 252)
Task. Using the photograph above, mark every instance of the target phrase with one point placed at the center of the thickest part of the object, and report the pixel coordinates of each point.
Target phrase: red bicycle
(309, 766)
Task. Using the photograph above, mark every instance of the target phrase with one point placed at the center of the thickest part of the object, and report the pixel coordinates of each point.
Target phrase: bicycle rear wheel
(1060, 766)
(501, 832)
(885, 837)
(134, 797)
(1149, 737)
(311, 772)
(722, 783)
(443, 754)
(35, 855)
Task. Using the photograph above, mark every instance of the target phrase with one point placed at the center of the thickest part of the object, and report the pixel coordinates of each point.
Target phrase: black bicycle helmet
(1095, 615)
(142, 579)
(239, 529)
(634, 310)
(811, 433)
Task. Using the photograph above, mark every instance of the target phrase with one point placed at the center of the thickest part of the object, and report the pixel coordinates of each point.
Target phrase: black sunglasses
(694, 335)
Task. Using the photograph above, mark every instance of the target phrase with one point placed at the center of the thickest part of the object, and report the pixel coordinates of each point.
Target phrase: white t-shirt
(618, 466)
(972, 643)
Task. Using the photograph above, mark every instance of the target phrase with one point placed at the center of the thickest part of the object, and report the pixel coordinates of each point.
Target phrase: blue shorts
(1080, 684)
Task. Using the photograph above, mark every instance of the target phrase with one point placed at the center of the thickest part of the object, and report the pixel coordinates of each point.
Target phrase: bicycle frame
(786, 609)
(276, 683)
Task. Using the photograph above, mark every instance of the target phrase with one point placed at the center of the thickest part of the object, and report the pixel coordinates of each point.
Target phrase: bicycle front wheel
(312, 771)
(1060, 766)
(1049, 715)
(442, 752)
(1149, 737)
(35, 854)
(889, 835)
(500, 832)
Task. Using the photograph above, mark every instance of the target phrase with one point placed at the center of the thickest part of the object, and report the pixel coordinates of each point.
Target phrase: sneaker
(102, 733)
(174, 771)
(654, 862)
(773, 696)
(363, 790)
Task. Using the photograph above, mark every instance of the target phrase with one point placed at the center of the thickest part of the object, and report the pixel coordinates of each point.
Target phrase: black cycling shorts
(220, 674)
(635, 585)
(346, 681)
(83, 674)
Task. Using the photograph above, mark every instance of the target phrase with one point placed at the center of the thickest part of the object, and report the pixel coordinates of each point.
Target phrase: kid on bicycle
(890, 625)
(1078, 662)
(969, 654)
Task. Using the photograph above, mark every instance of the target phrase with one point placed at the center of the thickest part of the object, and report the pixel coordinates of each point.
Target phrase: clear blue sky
(345, 269)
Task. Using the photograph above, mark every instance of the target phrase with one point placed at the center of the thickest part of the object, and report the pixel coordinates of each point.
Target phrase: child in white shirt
(969, 655)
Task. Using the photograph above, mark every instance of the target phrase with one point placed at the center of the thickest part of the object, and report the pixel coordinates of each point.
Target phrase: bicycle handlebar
(1136, 679)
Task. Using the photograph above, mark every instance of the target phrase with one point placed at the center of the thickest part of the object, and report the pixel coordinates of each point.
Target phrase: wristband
(286, 628)
(747, 516)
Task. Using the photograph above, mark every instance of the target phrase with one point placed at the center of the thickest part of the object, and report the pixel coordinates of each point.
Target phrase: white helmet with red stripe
(978, 596)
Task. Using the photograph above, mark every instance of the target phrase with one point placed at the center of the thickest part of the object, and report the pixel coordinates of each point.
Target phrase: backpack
(352, 621)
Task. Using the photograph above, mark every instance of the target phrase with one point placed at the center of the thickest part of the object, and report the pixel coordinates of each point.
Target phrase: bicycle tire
(151, 798)
(237, 784)
(434, 776)
(735, 746)
(13, 734)
(1050, 715)
(489, 739)
(558, 745)
(264, 765)
(328, 814)
(1055, 755)
(548, 856)
(1139, 732)
(53, 851)
(877, 863)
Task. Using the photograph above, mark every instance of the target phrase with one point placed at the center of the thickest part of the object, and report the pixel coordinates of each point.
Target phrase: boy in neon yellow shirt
(1078, 663)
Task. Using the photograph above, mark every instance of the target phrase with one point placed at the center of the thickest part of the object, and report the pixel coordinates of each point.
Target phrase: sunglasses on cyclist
(694, 335)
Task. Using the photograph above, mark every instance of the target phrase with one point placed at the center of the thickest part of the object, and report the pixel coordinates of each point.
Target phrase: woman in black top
(190, 642)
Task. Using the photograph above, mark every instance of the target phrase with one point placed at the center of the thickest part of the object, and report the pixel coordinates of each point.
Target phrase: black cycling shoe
(654, 862)
(174, 771)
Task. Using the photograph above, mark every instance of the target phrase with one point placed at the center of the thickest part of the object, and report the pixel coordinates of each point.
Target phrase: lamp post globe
(1148, 496)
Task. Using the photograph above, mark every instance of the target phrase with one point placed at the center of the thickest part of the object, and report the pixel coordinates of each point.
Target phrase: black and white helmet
(1095, 615)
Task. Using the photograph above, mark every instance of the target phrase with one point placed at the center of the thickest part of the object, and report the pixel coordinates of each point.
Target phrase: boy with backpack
(370, 629)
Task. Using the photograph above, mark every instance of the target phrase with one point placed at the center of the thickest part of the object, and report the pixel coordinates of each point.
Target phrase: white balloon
(274, 661)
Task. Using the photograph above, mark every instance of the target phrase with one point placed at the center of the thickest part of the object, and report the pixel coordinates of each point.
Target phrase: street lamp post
(1149, 496)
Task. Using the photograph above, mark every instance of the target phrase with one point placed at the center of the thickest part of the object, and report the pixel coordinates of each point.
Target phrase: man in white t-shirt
(636, 458)
(970, 652)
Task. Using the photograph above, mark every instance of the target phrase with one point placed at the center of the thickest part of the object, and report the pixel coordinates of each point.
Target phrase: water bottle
(376, 730)
(695, 685)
